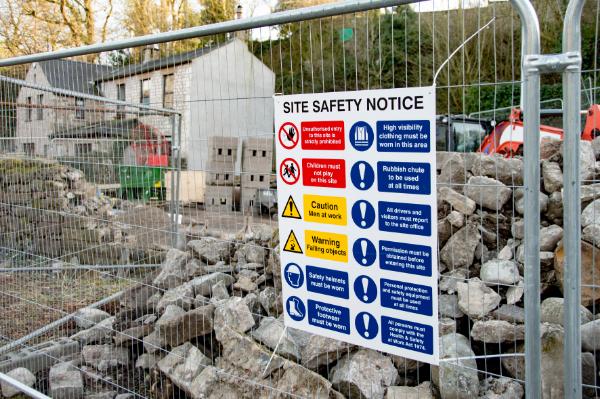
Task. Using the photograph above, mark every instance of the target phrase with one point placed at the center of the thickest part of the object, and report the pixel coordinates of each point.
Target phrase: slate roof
(111, 129)
(160, 63)
(73, 75)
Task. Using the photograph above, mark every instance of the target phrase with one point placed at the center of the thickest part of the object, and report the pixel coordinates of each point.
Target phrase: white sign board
(358, 217)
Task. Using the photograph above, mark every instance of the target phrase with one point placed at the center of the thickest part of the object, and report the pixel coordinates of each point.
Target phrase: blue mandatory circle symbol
(295, 308)
(364, 252)
(293, 275)
(365, 289)
(362, 175)
(361, 136)
(363, 214)
(366, 325)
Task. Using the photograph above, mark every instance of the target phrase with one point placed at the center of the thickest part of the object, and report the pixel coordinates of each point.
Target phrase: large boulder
(65, 382)
(591, 214)
(211, 250)
(183, 365)
(89, 317)
(498, 271)
(456, 379)
(232, 315)
(173, 272)
(364, 374)
(21, 374)
(507, 170)
(590, 267)
(590, 335)
(321, 351)
(552, 311)
(552, 175)
(476, 299)
(459, 250)
(203, 285)
(457, 201)
(180, 328)
(497, 331)
(488, 192)
(272, 333)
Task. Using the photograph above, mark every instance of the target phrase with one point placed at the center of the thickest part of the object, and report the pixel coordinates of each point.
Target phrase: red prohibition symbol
(289, 171)
(288, 135)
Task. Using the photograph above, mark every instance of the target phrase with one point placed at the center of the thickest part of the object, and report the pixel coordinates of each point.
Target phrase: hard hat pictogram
(291, 210)
(292, 244)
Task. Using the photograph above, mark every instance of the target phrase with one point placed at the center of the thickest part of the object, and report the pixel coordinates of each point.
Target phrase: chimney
(239, 10)
(150, 53)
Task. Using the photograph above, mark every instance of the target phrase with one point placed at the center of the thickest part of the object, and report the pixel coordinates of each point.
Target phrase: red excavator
(506, 138)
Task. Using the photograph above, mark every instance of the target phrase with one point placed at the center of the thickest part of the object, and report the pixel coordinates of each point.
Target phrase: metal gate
(187, 116)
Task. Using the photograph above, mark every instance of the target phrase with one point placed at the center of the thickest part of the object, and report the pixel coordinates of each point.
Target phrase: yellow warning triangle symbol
(291, 210)
(292, 244)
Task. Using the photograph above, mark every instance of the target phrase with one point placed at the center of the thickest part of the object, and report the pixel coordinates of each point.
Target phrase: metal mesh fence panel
(139, 211)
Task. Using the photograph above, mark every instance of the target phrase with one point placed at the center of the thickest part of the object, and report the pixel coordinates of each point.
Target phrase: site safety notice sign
(357, 217)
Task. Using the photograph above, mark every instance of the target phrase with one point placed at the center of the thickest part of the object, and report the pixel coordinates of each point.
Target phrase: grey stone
(507, 170)
(448, 306)
(182, 365)
(591, 214)
(552, 175)
(498, 271)
(364, 374)
(153, 342)
(147, 360)
(457, 201)
(246, 281)
(272, 333)
(587, 160)
(101, 332)
(456, 379)
(270, 301)
(520, 203)
(181, 296)
(321, 351)
(421, 391)
(446, 325)
(453, 170)
(591, 234)
(589, 192)
(219, 291)
(515, 293)
(456, 219)
(501, 388)
(21, 374)
(476, 299)
(506, 253)
(404, 365)
(549, 237)
(518, 229)
(449, 279)
(105, 357)
(590, 335)
(89, 317)
(101, 395)
(497, 331)
(211, 250)
(173, 271)
(510, 313)
(232, 314)
(305, 384)
(65, 382)
(133, 335)
(460, 248)
(555, 207)
(203, 285)
(488, 192)
(552, 311)
(183, 327)
(251, 253)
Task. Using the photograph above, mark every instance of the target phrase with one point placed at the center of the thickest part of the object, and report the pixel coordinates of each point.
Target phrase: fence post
(571, 200)
(531, 105)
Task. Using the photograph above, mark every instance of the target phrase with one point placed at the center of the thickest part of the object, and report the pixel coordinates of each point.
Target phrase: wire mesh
(117, 162)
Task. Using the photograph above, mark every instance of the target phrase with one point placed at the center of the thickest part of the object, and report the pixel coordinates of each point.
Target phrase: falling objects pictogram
(289, 171)
(291, 210)
(292, 244)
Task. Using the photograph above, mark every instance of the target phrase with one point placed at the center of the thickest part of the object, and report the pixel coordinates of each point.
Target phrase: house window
(264, 154)
(261, 178)
(145, 91)
(229, 151)
(223, 200)
(29, 148)
(220, 151)
(121, 97)
(29, 109)
(226, 176)
(40, 110)
(217, 176)
(79, 108)
(251, 177)
(83, 148)
(253, 153)
(168, 83)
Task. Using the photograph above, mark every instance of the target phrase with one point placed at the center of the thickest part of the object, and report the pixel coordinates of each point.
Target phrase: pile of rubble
(49, 210)
(209, 323)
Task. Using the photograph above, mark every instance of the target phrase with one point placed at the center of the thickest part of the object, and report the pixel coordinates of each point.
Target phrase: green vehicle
(142, 182)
